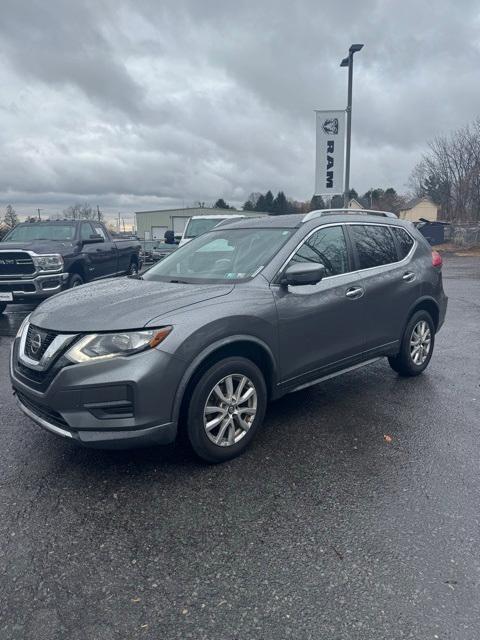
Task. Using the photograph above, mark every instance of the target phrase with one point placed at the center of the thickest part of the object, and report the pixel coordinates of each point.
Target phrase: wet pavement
(324, 529)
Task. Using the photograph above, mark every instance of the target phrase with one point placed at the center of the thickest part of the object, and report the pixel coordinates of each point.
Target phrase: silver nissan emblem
(35, 343)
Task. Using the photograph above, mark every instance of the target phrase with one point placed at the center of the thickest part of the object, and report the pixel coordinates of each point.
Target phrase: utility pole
(348, 62)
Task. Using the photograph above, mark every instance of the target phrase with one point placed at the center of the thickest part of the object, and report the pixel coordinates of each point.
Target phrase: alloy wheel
(420, 342)
(230, 410)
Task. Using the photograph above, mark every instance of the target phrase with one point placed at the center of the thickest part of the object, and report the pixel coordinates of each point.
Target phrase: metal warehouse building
(151, 225)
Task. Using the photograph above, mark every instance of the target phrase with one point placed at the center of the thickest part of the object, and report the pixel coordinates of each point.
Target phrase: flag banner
(330, 161)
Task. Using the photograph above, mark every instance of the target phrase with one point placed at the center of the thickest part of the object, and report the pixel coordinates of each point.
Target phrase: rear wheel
(133, 268)
(75, 280)
(3, 306)
(226, 409)
(417, 346)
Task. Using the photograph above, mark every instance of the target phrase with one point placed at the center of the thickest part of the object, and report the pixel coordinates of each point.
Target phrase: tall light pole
(348, 62)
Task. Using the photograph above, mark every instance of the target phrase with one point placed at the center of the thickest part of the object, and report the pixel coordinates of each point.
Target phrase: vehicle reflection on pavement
(12, 318)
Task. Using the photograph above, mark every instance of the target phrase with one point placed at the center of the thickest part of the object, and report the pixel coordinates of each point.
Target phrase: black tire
(74, 280)
(201, 443)
(133, 268)
(3, 306)
(403, 363)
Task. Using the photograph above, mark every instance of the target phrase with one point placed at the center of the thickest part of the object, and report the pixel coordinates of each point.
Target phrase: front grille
(42, 411)
(16, 263)
(31, 374)
(37, 342)
(39, 380)
(24, 287)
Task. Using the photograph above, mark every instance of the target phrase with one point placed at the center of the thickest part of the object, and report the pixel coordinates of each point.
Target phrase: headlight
(103, 346)
(52, 262)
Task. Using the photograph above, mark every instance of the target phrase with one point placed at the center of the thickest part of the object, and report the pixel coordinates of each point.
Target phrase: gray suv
(241, 315)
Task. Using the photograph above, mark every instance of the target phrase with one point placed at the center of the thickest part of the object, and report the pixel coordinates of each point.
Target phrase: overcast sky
(150, 104)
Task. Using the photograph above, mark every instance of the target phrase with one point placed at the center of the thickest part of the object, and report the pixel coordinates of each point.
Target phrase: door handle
(409, 276)
(354, 292)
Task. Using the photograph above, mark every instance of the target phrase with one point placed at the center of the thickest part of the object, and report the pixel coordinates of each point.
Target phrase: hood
(118, 304)
(38, 246)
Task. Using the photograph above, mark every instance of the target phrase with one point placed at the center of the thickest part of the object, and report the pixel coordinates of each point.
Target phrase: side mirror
(95, 237)
(302, 273)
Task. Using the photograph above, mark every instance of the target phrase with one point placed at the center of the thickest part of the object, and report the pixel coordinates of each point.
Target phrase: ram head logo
(330, 126)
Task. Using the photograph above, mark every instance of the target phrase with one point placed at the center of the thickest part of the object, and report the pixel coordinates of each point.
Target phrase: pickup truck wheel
(3, 306)
(75, 280)
(226, 409)
(417, 346)
(133, 269)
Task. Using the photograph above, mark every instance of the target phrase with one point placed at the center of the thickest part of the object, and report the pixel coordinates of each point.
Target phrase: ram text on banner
(330, 153)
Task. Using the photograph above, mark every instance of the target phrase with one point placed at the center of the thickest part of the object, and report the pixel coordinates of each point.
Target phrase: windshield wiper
(178, 282)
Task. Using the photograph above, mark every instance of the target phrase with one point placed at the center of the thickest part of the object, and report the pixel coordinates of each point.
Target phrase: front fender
(206, 352)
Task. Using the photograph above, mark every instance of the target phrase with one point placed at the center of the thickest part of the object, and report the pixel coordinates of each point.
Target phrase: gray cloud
(134, 104)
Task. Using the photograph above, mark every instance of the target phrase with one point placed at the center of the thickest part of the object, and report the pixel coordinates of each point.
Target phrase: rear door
(387, 278)
(318, 324)
(106, 252)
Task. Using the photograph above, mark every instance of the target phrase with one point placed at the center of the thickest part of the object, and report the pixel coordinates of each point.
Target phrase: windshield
(196, 226)
(31, 232)
(221, 256)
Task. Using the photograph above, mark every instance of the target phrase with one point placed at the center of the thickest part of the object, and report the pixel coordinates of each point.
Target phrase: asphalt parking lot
(324, 529)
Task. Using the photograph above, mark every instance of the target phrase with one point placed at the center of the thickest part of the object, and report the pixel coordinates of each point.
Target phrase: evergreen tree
(280, 205)
(261, 204)
(10, 218)
(221, 204)
(269, 201)
(317, 202)
(248, 206)
(337, 202)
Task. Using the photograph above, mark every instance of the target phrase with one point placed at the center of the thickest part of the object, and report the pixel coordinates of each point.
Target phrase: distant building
(354, 204)
(151, 225)
(420, 208)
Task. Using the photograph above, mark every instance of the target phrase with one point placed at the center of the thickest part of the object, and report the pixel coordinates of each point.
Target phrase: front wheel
(74, 280)
(3, 306)
(416, 347)
(226, 409)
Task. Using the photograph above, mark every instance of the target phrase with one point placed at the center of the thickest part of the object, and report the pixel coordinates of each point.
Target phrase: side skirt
(333, 375)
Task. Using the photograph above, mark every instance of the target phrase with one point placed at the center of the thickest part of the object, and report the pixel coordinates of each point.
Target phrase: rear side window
(404, 241)
(99, 231)
(328, 247)
(374, 244)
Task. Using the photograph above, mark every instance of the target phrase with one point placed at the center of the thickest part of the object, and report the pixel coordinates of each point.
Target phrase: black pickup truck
(40, 259)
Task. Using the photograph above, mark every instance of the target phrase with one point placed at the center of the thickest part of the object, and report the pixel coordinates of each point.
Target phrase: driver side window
(328, 247)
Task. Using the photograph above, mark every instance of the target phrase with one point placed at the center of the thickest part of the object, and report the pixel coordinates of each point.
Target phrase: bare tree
(10, 219)
(80, 211)
(449, 173)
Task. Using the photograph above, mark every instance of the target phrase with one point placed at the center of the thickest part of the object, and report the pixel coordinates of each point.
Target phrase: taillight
(436, 259)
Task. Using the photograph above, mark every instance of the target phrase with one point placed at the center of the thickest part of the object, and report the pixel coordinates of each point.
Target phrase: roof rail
(319, 213)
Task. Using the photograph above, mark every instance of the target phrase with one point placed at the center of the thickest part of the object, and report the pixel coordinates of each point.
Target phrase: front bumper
(36, 288)
(121, 403)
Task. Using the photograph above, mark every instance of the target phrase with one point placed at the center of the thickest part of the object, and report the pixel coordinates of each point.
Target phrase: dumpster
(433, 231)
